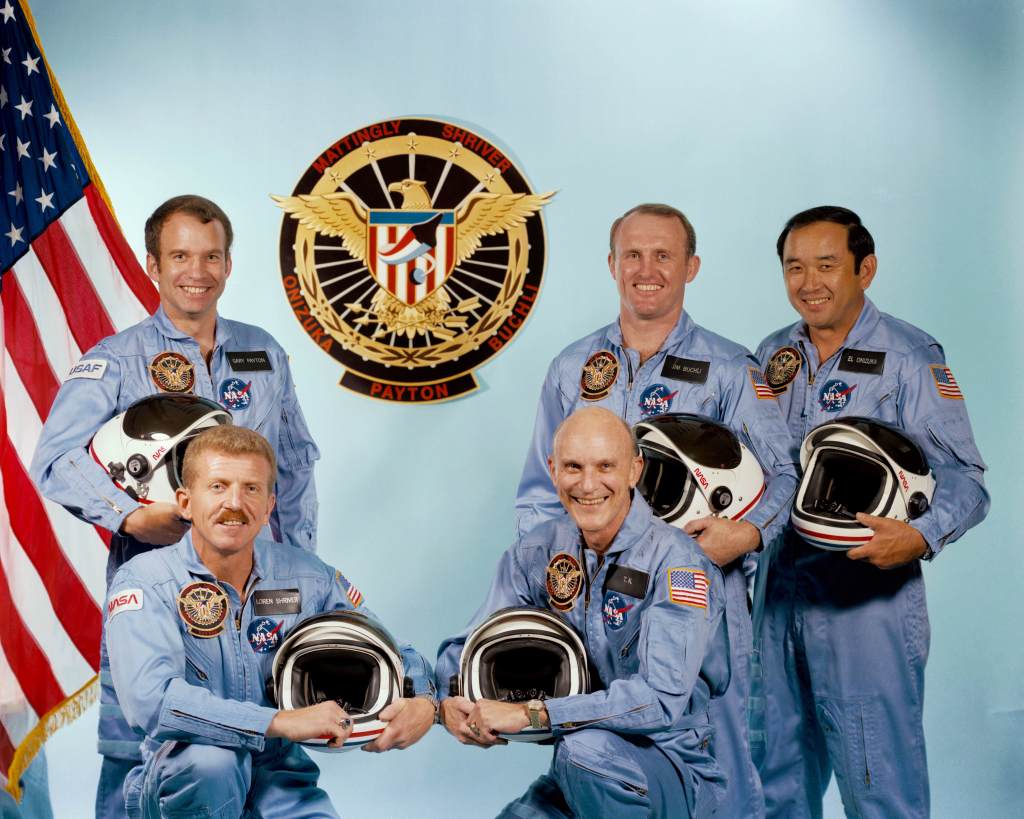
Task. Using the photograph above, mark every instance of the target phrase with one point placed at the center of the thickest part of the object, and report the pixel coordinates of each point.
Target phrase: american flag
(760, 385)
(688, 587)
(68, 279)
(945, 383)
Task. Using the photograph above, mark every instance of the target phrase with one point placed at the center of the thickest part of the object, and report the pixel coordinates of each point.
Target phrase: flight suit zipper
(586, 575)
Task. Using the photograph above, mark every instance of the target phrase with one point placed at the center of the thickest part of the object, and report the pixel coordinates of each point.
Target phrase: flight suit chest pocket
(248, 396)
(202, 656)
(621, 615)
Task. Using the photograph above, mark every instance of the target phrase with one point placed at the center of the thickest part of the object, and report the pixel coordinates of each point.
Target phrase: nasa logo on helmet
(345, 656)
(522, 654)
(142, 449)
(695, 467)
(853, 465)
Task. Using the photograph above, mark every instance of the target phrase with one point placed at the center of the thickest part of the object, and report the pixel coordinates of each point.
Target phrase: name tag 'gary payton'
(413, 253)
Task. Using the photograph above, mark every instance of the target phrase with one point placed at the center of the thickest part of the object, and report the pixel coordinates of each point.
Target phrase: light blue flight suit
(844, 643)
(201, 701)
(640, 745)
(66, 473)
(714, 379)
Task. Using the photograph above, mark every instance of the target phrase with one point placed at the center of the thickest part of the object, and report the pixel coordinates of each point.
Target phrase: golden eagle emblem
(203, 607)
(599, 373)
(564, 581)
(172, 372)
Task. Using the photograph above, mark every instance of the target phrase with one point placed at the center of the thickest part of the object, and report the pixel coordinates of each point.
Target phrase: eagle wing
(333, 214)
(485, 214)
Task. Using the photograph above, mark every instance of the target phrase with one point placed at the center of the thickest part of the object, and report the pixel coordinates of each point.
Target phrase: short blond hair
(227, 440)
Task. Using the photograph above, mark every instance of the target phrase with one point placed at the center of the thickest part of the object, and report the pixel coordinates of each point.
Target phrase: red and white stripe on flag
(68, 279)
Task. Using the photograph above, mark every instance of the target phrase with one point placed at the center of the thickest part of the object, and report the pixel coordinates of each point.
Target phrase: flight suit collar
(168, 329)
(682, 329)
(193, 565)
(862, 328)
(634, 527)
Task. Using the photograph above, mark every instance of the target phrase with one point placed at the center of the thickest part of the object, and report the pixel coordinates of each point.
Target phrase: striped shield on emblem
(411, 253)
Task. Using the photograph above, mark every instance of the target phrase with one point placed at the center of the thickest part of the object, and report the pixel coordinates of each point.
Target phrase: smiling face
(822, 281)
(651, 266)
(228, 499)
(593, 468)
(192, 268)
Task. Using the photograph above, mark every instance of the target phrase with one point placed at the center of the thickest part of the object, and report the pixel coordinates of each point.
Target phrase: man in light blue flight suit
(191, 649)
(656, 359)
(648, 605)
(184, 347)
(845, 635)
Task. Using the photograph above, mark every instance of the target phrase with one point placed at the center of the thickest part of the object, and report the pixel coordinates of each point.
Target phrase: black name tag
(686, 369)
(862, 361)
(627, 581)
(248, 361)
(276, 601)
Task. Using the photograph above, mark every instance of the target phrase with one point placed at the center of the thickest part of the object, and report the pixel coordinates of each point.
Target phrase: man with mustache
(653, 359)
(845, 635)
(186, 346)
(638, 745)
(189, 651)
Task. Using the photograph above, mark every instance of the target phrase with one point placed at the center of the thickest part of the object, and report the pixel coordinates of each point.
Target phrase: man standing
(639, 747)
(184, 347)
(655, 359)
(190, 650)
(845, 635)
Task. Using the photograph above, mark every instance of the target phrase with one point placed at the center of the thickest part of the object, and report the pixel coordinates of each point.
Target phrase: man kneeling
(648, 605)
(192, 632)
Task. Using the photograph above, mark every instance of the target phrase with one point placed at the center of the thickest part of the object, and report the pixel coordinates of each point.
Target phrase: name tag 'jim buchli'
(412, 252)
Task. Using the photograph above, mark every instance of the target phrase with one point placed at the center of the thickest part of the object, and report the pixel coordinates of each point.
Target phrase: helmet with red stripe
(695, 467)
(856, 465)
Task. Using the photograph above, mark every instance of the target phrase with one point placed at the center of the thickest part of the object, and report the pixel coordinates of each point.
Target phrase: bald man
(637, 745)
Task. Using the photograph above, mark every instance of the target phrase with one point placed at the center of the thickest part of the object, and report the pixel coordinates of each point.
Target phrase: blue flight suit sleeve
(510, 587)
(759, 424)
(295, 514)
(536, 499)
(147, 661)
(672, 644)
(941, 427)
(416, 666)
(62, 467)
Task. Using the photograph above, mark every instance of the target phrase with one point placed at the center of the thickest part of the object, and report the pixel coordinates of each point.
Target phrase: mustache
(232, 517)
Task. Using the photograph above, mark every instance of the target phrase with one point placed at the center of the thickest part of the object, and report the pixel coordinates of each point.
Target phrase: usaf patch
(688, 587)
(88, 368)
(614, 610)
(655, 400)
(686, 369)
(172, 372)
(235, 394)
(944, 382)
(203, 607)
(248, 361)
(276, 601)
(564, 580)
(835, 395)
(782, 368)
(862, 361)
(128, 600)
(627, 581)
(264, 635)
(598, 376)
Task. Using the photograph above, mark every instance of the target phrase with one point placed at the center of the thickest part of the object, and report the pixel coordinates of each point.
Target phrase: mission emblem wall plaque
(412, 251)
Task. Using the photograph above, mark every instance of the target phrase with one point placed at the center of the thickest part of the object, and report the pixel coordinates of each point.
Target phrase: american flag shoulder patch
(355, 597)
(688, 587)
(945, 384)
(761, 388)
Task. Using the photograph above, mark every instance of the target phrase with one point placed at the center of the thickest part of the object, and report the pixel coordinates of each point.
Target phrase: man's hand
(895, 543)
(455, 716)
(491, 718)
(321, 721)
(408, 720)
(156, 523)
(723, 540)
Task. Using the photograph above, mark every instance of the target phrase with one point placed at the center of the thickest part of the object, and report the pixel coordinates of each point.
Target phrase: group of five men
(695, 713)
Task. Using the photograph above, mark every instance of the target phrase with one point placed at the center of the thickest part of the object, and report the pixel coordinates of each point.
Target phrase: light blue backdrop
(741, 113)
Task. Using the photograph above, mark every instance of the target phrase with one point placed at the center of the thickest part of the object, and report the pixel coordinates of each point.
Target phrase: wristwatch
(533, 711)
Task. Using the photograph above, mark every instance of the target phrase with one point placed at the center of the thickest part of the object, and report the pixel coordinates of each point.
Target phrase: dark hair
(858, 239)
(203, 209)
(657, 209)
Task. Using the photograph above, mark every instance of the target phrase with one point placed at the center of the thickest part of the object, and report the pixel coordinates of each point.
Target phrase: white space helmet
(521, 654)
(344, 656)
(142, 449)
(695, 467)
(855, 465)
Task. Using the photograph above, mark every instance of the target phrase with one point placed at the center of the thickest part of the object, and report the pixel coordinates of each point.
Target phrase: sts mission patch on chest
(412, 252)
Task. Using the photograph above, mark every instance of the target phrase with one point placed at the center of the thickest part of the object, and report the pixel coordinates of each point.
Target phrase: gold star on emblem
(412, 142)
(370, 153)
